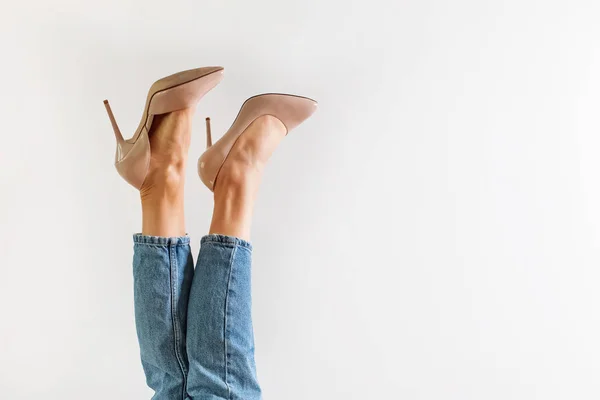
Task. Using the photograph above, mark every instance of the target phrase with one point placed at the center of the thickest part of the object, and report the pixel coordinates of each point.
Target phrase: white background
(432, 232)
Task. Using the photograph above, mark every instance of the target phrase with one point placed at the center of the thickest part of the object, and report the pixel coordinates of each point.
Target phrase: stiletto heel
(115, 127)
(289, 109)
(208, 133)
(172, 93)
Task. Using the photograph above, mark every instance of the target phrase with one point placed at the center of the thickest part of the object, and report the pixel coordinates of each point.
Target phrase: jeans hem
(226, 240)
(138, 238)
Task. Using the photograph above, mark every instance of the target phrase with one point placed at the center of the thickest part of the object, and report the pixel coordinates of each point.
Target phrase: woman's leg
(220, 335)
(162, 262)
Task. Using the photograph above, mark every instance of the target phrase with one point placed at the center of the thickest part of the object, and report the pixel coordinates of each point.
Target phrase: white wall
(433, 232)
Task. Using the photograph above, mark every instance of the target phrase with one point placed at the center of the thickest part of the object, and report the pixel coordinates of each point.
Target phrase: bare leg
(238, 182)
(162, 191)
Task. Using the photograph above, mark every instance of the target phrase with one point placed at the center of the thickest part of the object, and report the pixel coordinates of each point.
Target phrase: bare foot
(240, 176)
(162, 190)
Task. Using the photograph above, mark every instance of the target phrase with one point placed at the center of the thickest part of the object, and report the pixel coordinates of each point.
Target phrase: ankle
(237, 176)
(236, 181)
(164, 184)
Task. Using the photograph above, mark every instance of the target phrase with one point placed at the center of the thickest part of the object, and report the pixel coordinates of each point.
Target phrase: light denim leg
(220, 341)
(163, 269)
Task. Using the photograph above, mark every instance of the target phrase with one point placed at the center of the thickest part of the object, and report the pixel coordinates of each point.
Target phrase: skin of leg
(163, 266)
(220, 341)
(240, 177)
(162, 191)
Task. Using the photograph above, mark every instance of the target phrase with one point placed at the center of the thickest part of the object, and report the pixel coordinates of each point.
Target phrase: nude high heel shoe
(175, 92)
(290, 110)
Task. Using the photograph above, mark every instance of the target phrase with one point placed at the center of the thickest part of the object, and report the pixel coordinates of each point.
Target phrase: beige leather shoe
(290, 110)
(175, 92)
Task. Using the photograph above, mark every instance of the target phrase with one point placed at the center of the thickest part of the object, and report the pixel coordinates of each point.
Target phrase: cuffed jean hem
(138, 238)
(226, 240)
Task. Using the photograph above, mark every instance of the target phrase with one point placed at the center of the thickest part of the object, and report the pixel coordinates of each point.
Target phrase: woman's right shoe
(289, 109)
(175, 92)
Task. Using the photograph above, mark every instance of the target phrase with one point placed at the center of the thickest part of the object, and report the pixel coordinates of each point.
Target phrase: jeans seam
(226, 354)
(176, 333)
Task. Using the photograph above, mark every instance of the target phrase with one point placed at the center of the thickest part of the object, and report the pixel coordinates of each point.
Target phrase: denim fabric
(163, 269)
(195, 328)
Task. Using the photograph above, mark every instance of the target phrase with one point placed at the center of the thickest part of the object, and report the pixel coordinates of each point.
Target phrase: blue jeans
(195, 326)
